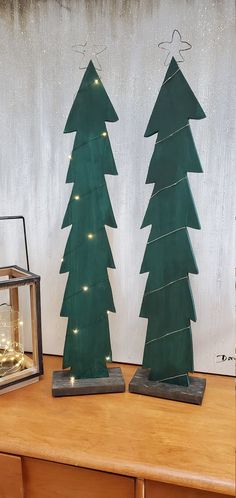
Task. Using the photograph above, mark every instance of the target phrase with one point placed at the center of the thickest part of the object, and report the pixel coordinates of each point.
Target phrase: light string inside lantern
(11, 350)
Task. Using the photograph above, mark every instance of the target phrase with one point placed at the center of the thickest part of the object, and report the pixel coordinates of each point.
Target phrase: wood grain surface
(40, 76)
(139, 488)
(11, 485)
(54, 480)
(125, 433)
(160, 490)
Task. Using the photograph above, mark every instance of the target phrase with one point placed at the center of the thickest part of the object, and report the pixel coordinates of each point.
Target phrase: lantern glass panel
(20, 328)
(11, 341)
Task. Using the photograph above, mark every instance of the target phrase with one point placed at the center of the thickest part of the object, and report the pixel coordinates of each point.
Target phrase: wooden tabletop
(126, 433)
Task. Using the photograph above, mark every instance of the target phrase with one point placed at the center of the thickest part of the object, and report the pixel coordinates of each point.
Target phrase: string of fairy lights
(77, 197)
(169, 233)
(11, 350)
(168, 186)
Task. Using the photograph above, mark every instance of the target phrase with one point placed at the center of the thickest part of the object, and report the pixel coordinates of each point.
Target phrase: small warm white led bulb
(77, 197)
(108, 312)
(96, 82)
(104, 134)
(90, 235)
(62, 259)
(70, 156)
(85, 288)
(21, 322)
(75, 331)
(72, 379)
(108, 358)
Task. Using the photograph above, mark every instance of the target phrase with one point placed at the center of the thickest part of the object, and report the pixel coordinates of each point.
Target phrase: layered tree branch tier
(88, 295)
(169, 259)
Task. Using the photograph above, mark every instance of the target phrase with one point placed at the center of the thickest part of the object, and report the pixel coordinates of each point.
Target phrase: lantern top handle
(25, 237)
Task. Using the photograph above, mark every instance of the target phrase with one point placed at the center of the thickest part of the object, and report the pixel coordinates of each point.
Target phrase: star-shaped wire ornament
(90, 52)
(175, 47)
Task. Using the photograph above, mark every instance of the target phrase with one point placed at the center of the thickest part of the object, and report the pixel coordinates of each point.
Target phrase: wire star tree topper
(169, 259)
(90, 52)
(88, 295)
(174, 47)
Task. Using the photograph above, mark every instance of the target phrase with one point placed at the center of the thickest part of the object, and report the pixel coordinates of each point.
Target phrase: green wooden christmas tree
(88, 296)
(169, 259)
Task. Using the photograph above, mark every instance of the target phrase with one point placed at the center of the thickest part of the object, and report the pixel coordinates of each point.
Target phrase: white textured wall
(40, 75)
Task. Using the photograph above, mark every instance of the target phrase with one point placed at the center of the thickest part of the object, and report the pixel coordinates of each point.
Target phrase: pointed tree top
(90, 75)
(173, 68)
(175, 105)
(91, 104)
(91, 69)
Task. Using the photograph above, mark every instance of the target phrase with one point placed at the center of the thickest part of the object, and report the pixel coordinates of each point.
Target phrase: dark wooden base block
(63, 384)
(191, 394)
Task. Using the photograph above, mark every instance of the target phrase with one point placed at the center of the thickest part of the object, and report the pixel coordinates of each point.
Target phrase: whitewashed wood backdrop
(39, 77)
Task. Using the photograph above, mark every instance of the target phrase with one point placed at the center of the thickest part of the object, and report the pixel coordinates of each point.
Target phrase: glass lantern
(20, 325)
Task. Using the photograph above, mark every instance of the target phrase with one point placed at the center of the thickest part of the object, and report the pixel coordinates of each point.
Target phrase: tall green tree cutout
(168, 302)
(88, 296)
